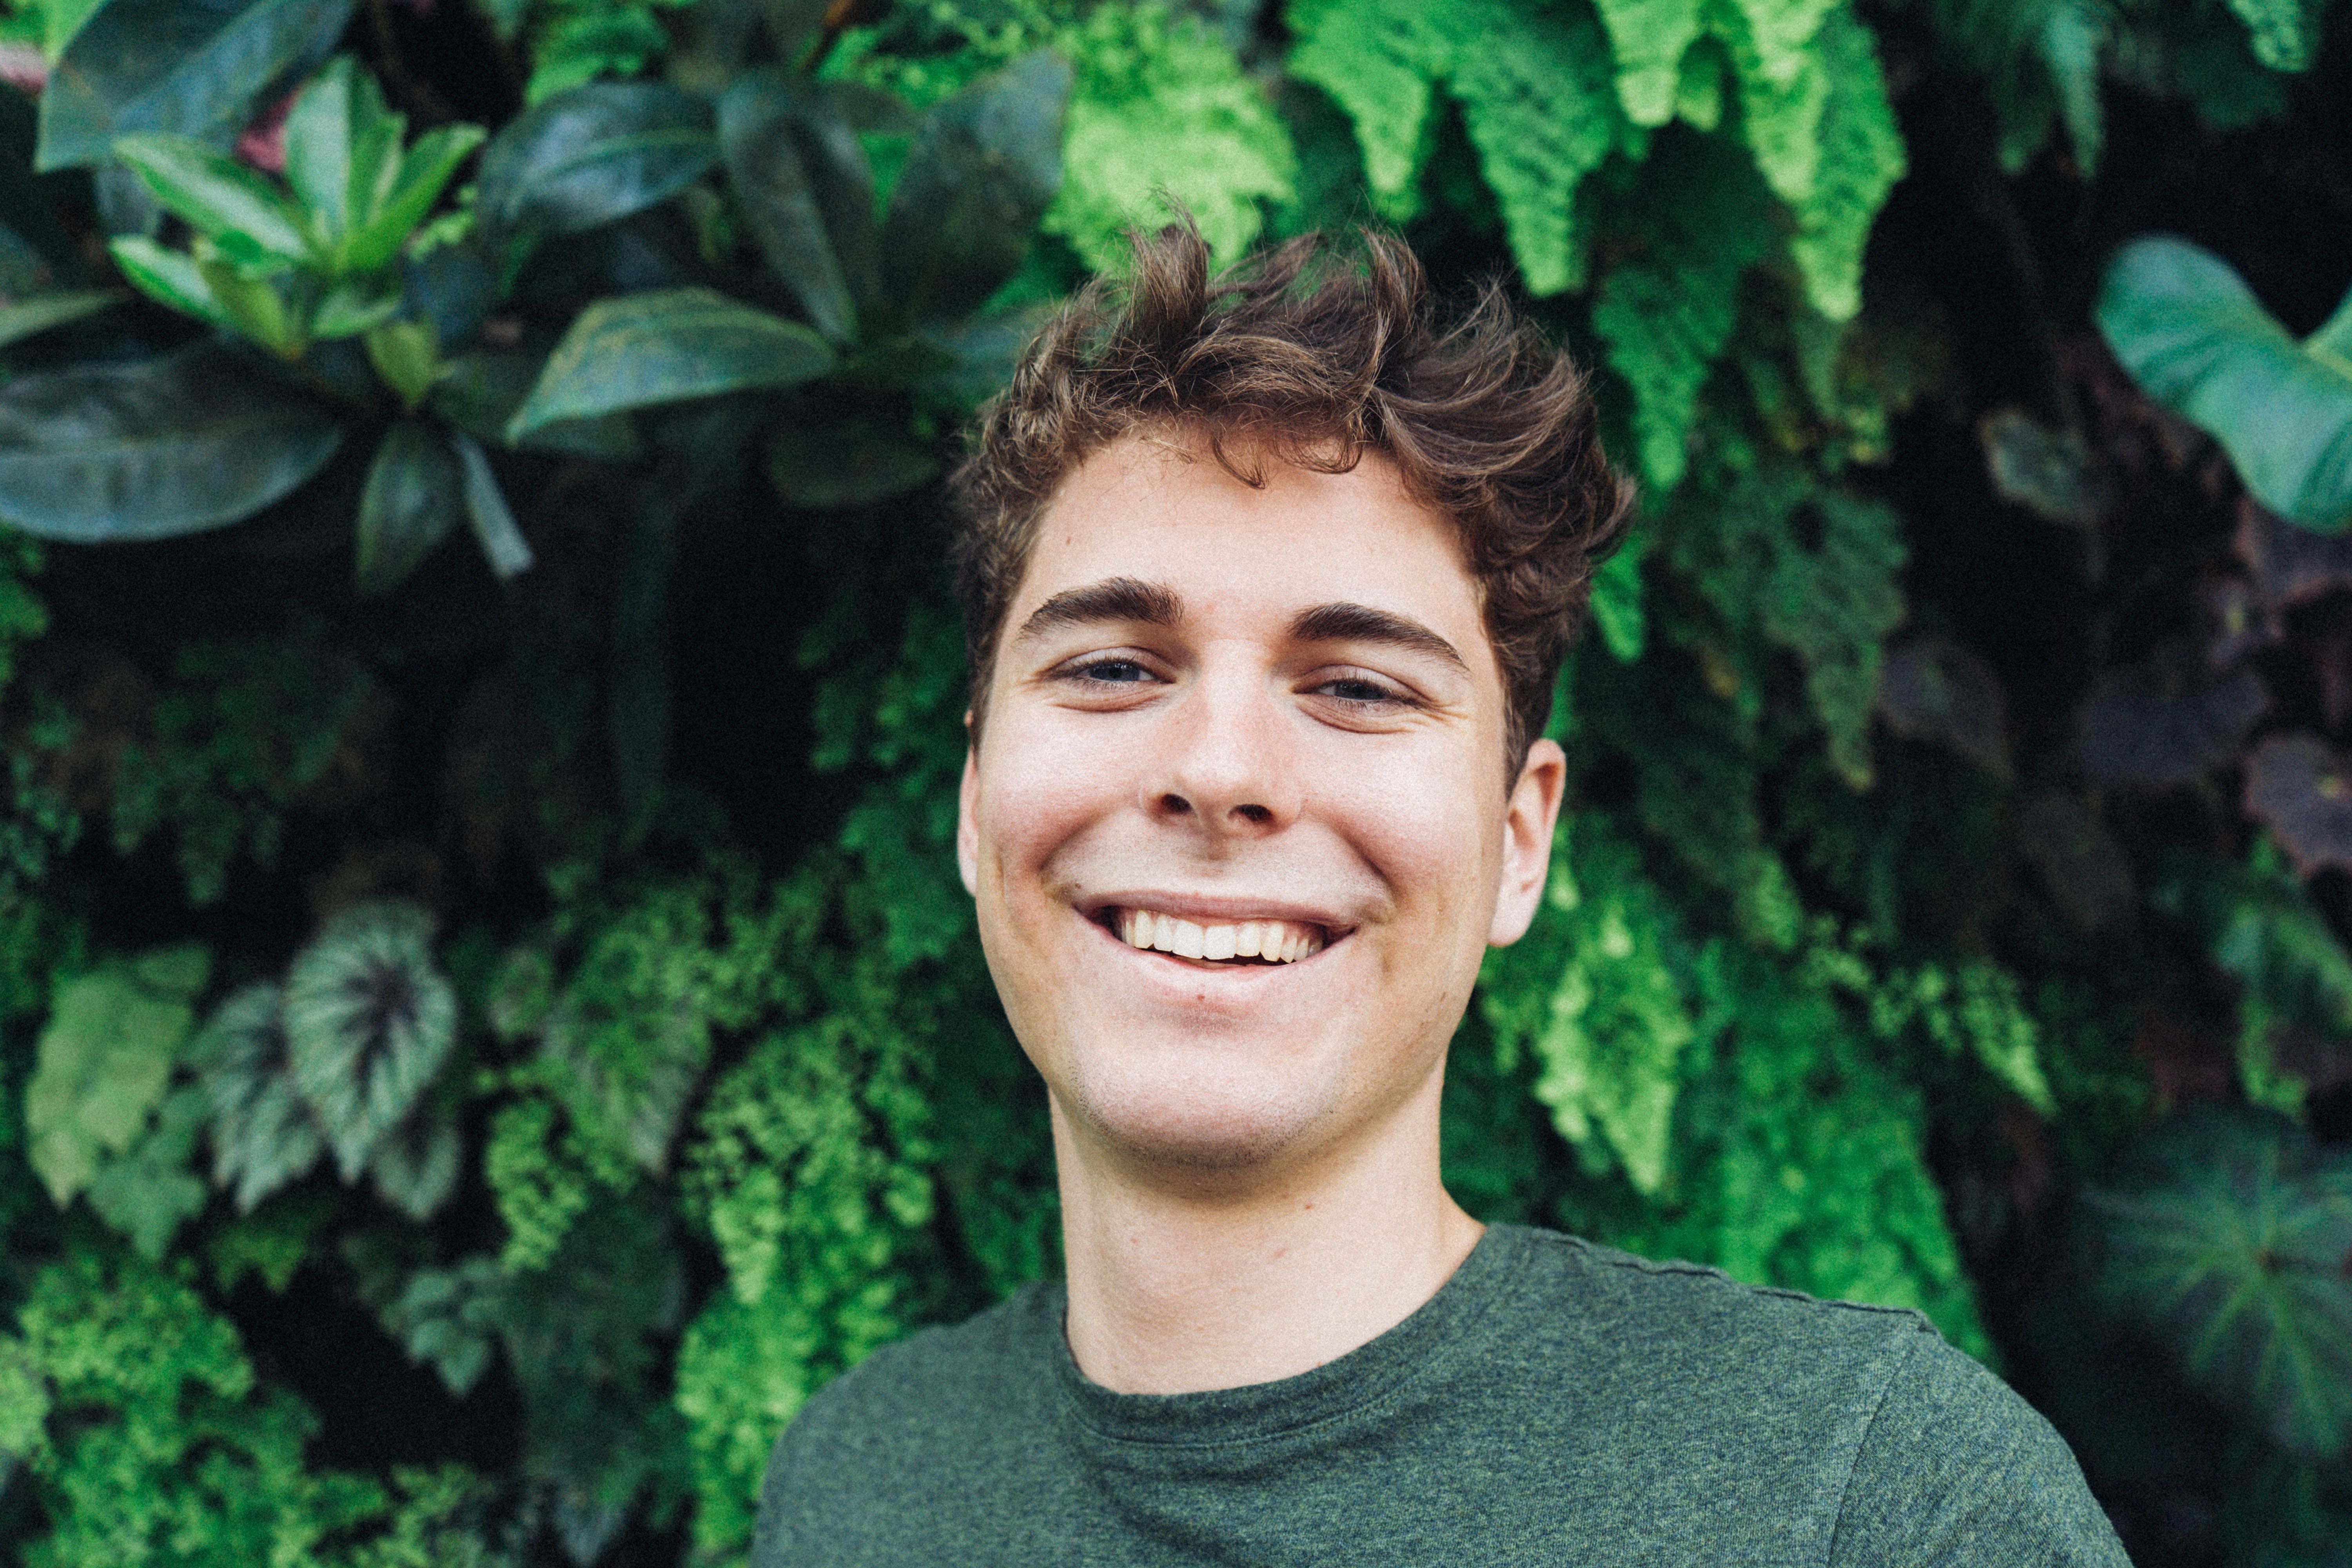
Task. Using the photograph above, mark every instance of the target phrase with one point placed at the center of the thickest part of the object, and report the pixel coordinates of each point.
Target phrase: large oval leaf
(664, 347)
(2230, 1237)
(805, 191)
(594, 154)
(192, 67)
(415, 489)
(101, 453)
(2195, 339)
(985, 166)
(369, 1020)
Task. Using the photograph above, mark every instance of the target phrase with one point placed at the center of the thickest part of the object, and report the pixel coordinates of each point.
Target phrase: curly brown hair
(1314, 357)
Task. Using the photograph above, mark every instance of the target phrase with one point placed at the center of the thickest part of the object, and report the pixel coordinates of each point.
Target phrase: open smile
(1227, 943)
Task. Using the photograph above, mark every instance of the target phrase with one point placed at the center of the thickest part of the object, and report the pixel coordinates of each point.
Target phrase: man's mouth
(1239, 942)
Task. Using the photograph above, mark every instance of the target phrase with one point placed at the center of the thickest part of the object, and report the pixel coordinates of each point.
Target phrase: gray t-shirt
(1554, 1403)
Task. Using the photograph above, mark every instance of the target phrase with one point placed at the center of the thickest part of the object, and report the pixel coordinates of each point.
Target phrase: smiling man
(1267, 581)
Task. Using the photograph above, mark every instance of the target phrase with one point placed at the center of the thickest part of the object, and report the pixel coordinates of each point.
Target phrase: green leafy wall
(488, 1020)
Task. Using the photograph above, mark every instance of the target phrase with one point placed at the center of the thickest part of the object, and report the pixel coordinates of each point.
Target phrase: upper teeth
(1283, 942)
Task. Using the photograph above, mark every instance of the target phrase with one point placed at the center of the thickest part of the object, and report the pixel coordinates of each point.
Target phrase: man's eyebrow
(1112, 599)
(1361, 623)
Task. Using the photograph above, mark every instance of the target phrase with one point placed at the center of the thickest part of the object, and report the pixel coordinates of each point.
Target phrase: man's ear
(1527, 840)
(967, 825)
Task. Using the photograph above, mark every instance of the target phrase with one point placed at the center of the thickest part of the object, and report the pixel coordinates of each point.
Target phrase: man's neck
(1178, 1286)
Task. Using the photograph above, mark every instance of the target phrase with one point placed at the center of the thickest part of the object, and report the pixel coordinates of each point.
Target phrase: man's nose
(1224, 759)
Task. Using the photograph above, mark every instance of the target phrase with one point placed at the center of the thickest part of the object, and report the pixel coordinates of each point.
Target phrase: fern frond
(1861, 159)
(1379, 59)
(1648, 38)
(369, 1020)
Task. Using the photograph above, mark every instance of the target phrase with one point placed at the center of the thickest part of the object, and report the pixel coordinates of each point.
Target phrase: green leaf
(593, 156)
(2196, 340)
(408, 357)
(356, 305)
(479, 392)
(1648, 38)
(343, 143)
(1163, 115)
(263, 1134)
(502, 543)
(150, 448)
(2228, 1236)
(450, 1319)
(413, 491)
(255, 308)
(985, 166)
(370, 1018)
(2285, 33)
(170, 278)
(229, 204)
(825, 464)
(1860, 158)
(147, 1193)
(416, 1167)
(423, 173)
(103, 1061)
(1617, 612)
(22, 319)
(663, 347)
(1378, 59)
(193, 68)
(787, 152)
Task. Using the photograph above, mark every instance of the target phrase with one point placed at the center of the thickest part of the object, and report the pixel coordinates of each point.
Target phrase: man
(1267, 581)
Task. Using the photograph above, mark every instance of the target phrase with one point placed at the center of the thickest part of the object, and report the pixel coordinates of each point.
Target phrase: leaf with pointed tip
(170, 278)
(410, 503)
(190, 67)
(664, 347)
(985, 166)
(263, 1134)
(804, 189)
(27, 318)
(228, 202)
(343, 145)
(2196, 340)
(415, 1168)
(479, 392)
(2228, 1234)
(370, 1018)
(422, 175)
(502, 543)
(150, 448)
(593, 156)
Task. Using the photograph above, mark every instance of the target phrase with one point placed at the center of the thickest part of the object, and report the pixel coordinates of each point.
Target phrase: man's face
(1224, 719)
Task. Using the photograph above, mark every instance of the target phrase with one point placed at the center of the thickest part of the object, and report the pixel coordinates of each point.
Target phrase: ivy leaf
(369, 1021)
(2229, 1235)
(1161, 109)
(665, 346)
(2168, 719)
(414, 489)
(593, 155)
(189, 66)
(805, 191)
(2302, 789)
(147, 1193)
(985, 166)
(2196, 340)
(450, 1318)
(263, 1134)
(1932, 689)
(103, 1061)
(101, 453)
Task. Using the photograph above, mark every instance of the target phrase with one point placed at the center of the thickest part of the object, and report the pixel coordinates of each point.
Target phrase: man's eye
(1121, 671)
(1352, 690)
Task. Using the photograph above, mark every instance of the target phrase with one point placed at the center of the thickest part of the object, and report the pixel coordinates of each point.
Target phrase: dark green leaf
(192, 67)
(413, 493)
(2195, 339)
(985, 166)
(844, 463)
(805, 192)
(147, 1193)
(102, 453)
(479, 392)
(2230, 1236)
(450, 1318)
(416, 1167)
(594, 154)
(25, 318)
(220, 198)
(263, 1134)
(664, 347)
(486, 507)
(369, 1021)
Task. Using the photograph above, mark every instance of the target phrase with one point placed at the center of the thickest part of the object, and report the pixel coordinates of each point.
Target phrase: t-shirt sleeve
(1956, 1471)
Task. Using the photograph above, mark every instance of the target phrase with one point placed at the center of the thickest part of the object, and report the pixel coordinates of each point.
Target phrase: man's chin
(1194, 1131)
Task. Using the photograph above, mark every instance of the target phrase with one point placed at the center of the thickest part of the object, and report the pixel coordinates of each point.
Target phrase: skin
(1225, 702)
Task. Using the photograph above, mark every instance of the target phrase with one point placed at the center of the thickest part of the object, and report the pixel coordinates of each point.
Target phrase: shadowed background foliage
(488, 1023)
